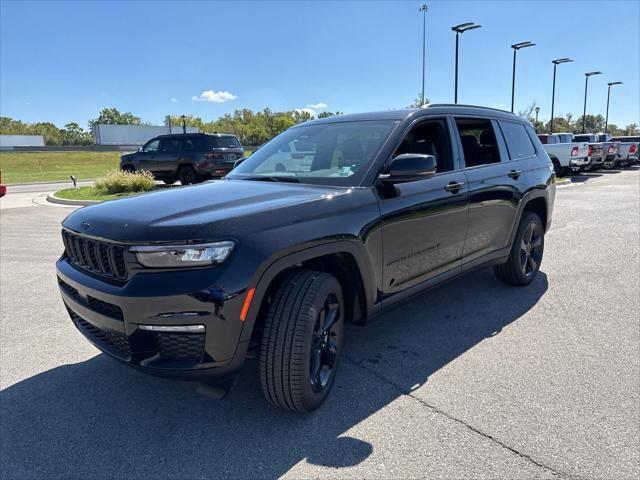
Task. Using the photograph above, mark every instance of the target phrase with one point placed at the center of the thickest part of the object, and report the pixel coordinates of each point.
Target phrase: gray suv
(190, 158)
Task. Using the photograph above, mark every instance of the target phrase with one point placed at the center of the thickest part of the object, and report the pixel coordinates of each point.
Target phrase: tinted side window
(194, 144)
(431, 138)
(518, 141)
(170, 145)
(224, 142)
(478, 141)
(151, 146)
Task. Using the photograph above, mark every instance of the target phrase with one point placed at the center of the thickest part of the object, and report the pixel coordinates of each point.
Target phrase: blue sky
(64, 61)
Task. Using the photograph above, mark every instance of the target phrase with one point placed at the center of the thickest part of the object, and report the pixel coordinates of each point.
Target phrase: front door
(168, 155)
(147, 156)
(424, 222)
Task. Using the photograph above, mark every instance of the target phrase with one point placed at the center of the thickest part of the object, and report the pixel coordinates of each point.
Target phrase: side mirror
(410, 167)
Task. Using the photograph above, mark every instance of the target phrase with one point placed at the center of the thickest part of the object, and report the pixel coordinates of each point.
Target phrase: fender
(538, 192)
(273, 266)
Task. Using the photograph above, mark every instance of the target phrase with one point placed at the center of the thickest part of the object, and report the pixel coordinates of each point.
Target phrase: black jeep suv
(273, 259)
(189, 158)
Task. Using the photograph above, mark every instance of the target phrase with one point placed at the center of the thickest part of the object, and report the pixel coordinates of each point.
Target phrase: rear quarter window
(519, 144)
(224, 142)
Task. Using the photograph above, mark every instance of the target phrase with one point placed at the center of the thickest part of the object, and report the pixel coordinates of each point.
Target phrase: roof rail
(429, 105)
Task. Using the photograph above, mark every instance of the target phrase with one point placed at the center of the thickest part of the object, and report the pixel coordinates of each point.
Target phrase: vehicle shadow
(101, 419)
(583, 177)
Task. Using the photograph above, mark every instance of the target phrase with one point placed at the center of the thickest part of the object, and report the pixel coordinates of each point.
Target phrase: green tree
(73, 134)
(113, 116)
(593, 124)
(631, 129)
(328, 114)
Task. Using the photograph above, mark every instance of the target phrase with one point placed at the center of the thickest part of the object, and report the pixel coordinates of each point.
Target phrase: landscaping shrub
(122, 182)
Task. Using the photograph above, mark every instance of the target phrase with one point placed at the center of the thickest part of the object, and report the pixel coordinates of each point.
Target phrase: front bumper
(114, 317)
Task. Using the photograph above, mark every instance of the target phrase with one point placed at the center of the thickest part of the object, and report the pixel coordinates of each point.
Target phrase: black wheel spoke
(324, 345)
(537, 242)
(316, 367)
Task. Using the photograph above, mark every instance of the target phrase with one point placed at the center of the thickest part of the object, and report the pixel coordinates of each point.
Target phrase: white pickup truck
(565, 156)
(627, 149)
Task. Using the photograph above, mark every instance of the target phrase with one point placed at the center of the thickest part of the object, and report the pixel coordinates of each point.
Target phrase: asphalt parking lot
(473, 379)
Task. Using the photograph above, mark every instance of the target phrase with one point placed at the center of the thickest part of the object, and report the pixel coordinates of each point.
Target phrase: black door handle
(515, 174)
(453, 187)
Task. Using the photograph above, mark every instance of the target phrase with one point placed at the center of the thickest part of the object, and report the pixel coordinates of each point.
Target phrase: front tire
(525, 257)
(302, 341)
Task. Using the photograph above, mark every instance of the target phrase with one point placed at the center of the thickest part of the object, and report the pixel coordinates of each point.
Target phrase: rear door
(496, 182)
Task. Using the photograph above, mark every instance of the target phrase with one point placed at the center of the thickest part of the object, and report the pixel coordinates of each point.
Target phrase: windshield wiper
(266, 178)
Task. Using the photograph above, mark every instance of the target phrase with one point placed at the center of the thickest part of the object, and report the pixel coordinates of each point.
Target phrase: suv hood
(225, 207)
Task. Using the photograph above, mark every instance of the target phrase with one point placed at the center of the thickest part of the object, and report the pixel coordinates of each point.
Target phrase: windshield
(324, 154)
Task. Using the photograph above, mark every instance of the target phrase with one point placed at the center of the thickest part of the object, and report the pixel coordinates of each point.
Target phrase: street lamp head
(424, 8)
(518, 46)
(588, 74)
(561, 60)
(537, 110)
(614, 83)
(463, 27)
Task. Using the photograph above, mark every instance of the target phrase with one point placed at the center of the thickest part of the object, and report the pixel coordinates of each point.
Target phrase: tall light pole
(606, 120)
(555, 62)
(424, 9)
(516, 47)
(586, 84)
(463, 27)
(537, 112)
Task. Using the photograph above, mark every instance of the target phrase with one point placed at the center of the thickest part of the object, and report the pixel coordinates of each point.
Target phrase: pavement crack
(439, 411)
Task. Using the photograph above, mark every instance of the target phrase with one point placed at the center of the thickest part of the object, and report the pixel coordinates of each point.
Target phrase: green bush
(123, 182)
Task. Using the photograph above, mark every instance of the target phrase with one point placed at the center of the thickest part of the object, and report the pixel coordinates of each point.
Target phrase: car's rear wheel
(525, 257)
(187, 175)
(169, 181)
(557, 168)
(128, 168)
(302, 341)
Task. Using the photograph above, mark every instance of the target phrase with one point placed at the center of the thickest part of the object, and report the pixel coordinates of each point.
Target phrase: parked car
(603, 151)
(565, 156)
(3, 188)
(185, 282)
(627, 149)
(189, 158)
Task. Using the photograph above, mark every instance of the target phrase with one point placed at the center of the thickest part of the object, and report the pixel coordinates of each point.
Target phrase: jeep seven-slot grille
(102, 258)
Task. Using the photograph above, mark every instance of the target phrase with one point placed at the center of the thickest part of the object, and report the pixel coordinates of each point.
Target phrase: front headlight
(168, 256)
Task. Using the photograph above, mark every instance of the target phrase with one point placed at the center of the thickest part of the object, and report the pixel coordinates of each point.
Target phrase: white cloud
(317, 106)
(217, 97)
(174, 100)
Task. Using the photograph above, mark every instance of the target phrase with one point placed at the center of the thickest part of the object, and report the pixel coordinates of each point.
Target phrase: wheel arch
(344, 259)
(536, 201)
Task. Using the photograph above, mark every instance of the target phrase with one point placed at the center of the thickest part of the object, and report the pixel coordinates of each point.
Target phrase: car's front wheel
(302, 341)
(525, 257)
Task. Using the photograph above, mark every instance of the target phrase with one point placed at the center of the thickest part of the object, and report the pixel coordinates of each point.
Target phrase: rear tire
(128, 168)
(187, 175)
(527, 250)
(302, 341)
(557, 168)
(169, 181)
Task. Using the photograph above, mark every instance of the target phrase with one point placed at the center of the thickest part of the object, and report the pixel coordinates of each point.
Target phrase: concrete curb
(63, 201)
